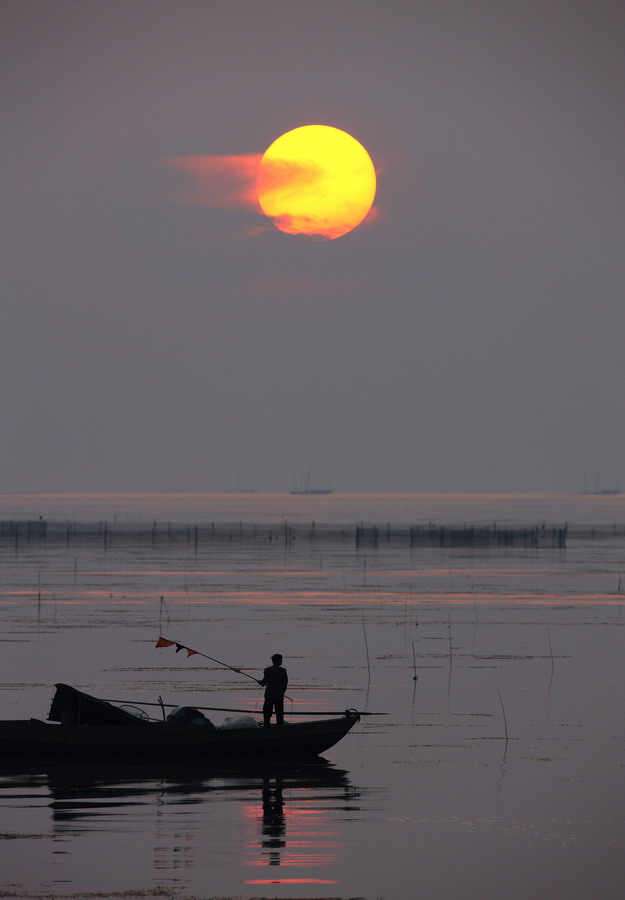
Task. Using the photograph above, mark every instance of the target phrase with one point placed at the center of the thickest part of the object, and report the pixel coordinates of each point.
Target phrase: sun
(316, 180)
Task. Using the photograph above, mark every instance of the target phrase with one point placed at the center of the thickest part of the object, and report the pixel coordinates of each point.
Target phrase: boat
(306, 489)
(604, 492)
(86, 728)
(598, 491)
(313, 491)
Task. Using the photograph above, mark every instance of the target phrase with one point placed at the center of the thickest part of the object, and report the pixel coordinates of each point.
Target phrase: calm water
(429, 800)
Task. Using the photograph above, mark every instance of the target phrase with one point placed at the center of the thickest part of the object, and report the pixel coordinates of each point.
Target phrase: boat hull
(154, 742)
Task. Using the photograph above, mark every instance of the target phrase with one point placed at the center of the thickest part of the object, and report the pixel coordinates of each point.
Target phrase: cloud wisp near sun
(315, 180)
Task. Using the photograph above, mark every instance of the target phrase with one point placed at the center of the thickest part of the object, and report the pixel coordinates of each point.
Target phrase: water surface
(497, 771)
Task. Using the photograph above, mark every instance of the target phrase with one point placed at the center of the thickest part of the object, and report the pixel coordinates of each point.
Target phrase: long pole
(165, 642)
(312, 712)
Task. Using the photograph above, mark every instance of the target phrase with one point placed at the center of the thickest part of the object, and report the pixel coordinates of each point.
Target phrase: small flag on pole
(163, 642)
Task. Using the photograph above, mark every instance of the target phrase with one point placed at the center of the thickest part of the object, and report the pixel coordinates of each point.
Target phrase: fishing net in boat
(188, 715)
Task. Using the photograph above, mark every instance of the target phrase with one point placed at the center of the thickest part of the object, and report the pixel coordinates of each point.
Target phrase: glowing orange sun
(316, 180)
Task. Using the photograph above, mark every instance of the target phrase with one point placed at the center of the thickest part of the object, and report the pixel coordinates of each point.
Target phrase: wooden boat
(315, 491)
(88, 728)
(307, 489)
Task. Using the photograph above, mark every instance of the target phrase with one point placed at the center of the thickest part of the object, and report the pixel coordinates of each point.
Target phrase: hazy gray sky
(471, 338)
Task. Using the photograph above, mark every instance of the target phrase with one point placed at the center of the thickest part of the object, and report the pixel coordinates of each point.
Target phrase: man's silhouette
(275, 681)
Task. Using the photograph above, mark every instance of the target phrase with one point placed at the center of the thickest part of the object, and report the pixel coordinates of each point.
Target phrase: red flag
(163, 642)
(190, 652)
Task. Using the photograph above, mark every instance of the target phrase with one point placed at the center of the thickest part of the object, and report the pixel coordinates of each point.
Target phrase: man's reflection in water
(273, 818)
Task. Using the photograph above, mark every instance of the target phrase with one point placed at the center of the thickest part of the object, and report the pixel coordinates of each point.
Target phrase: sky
(470, 337)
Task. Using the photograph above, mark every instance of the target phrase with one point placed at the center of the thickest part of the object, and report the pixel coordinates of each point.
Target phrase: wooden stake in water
(505, 722)
(364, 631)
(414, 663)
(550, 651)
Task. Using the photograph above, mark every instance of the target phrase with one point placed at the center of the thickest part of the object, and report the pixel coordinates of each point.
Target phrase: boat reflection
(287, 816)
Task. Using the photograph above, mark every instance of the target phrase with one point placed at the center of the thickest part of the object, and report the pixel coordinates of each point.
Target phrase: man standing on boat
(275, 681)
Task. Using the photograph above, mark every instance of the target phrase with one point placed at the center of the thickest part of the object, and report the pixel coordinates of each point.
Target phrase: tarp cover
(73, 707)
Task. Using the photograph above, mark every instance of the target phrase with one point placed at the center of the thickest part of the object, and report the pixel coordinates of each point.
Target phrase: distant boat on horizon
(306, 489)
(600, 492)
(242, 490)
(313, 491)
(603, 492)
